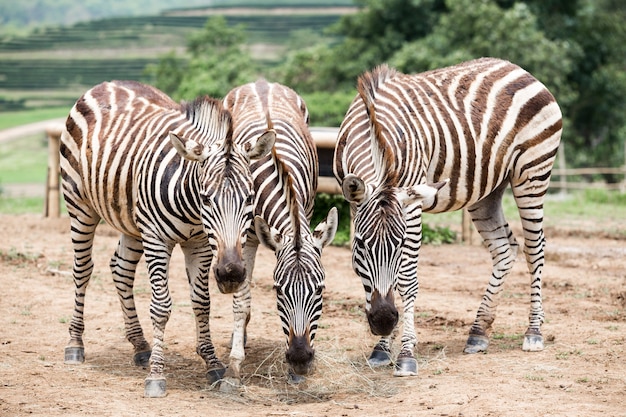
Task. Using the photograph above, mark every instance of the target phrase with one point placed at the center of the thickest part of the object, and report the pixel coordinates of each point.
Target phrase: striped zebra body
(440, 141)
(162, 174)
(285, 184)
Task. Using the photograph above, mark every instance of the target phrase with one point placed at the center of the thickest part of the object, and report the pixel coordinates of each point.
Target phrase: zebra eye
(279, 291)
(319, 290)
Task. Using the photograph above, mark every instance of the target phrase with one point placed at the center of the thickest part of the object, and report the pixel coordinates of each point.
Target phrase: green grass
(17, 118)
(9, 205)
(24, 161)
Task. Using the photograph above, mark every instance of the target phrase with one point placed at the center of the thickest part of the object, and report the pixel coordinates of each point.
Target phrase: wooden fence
(561, 176)
(325, 139)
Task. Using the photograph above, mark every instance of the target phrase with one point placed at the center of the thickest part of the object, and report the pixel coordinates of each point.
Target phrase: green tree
(380, 29)
(598, 117)
(366, 39)
(597, 131)
(576, 47)
(167, 74)
(472, 29)
(217, 61)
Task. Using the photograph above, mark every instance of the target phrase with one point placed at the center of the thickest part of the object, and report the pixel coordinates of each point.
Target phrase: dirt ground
(581, 372)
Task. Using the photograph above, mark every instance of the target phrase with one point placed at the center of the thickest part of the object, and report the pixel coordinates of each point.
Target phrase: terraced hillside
(67, 59)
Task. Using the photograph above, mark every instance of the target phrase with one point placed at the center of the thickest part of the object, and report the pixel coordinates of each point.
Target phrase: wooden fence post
(623, 185)
(466, 228)
(53, 203)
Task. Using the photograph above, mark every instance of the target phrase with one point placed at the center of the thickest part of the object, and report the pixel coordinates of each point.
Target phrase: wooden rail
(325, 139)
(52, 202)
(564, 184)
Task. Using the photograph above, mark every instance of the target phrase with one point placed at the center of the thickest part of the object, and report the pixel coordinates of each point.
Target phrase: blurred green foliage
(323, 203)
(576, 47)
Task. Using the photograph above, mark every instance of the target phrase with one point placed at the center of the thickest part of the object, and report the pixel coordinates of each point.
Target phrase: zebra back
(467, 123)
(258, 107)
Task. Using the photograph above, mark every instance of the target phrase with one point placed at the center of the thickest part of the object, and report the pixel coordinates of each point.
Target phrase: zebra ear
(267, 235)
(354, 189)
(188, 149)
(263, 145)
(422, 192)
(324, 233)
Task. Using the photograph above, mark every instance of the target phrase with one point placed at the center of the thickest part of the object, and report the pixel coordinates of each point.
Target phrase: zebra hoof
(405, 367)
(229, 385)
(154, 388)
(142, 358)
(74, 355)
(476, 344)
(379, 357)
(215, 375)
(295, 379)
(532, 343)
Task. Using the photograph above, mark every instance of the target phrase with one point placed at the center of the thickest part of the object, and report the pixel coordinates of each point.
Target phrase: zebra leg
(408, 286)
(83, 227)
(158, 255)
(406, 364)
(123, 266)
(489, 220)
(531, 214)
(198, 258)
(241, 317)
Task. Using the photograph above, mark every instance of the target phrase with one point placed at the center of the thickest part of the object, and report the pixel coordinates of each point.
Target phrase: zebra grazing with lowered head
(161, 173)
(440, 141)
(285, 184)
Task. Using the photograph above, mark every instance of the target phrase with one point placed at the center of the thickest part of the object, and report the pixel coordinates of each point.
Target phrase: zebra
(161, 173)
(285, 183)
(440, 141)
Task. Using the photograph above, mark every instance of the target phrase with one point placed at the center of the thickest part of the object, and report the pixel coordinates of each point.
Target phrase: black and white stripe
(439, 141)
(162, 174)
(285, 183)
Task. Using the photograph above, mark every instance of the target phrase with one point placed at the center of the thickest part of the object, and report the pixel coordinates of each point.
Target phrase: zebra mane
(209, 116)
(382, 153)
(262, 88)
(292, 199)
(268, 119)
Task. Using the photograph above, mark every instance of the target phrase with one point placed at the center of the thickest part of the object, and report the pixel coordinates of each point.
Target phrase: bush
(323, 203)
(437, 236)
(328, 109)
(605, 197)
(12, 105)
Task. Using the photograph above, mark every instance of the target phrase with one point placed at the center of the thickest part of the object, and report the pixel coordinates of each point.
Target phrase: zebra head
(227, 196)
(379, 241)
(383, 208)
(299, 278)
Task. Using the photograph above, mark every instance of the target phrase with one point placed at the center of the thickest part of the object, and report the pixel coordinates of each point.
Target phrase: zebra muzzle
(383, 314)
(230, 276)
(300, 354)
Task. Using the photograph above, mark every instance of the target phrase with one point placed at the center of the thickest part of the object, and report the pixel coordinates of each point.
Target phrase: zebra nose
(230, 274)
(383, 315)
(300, 354)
